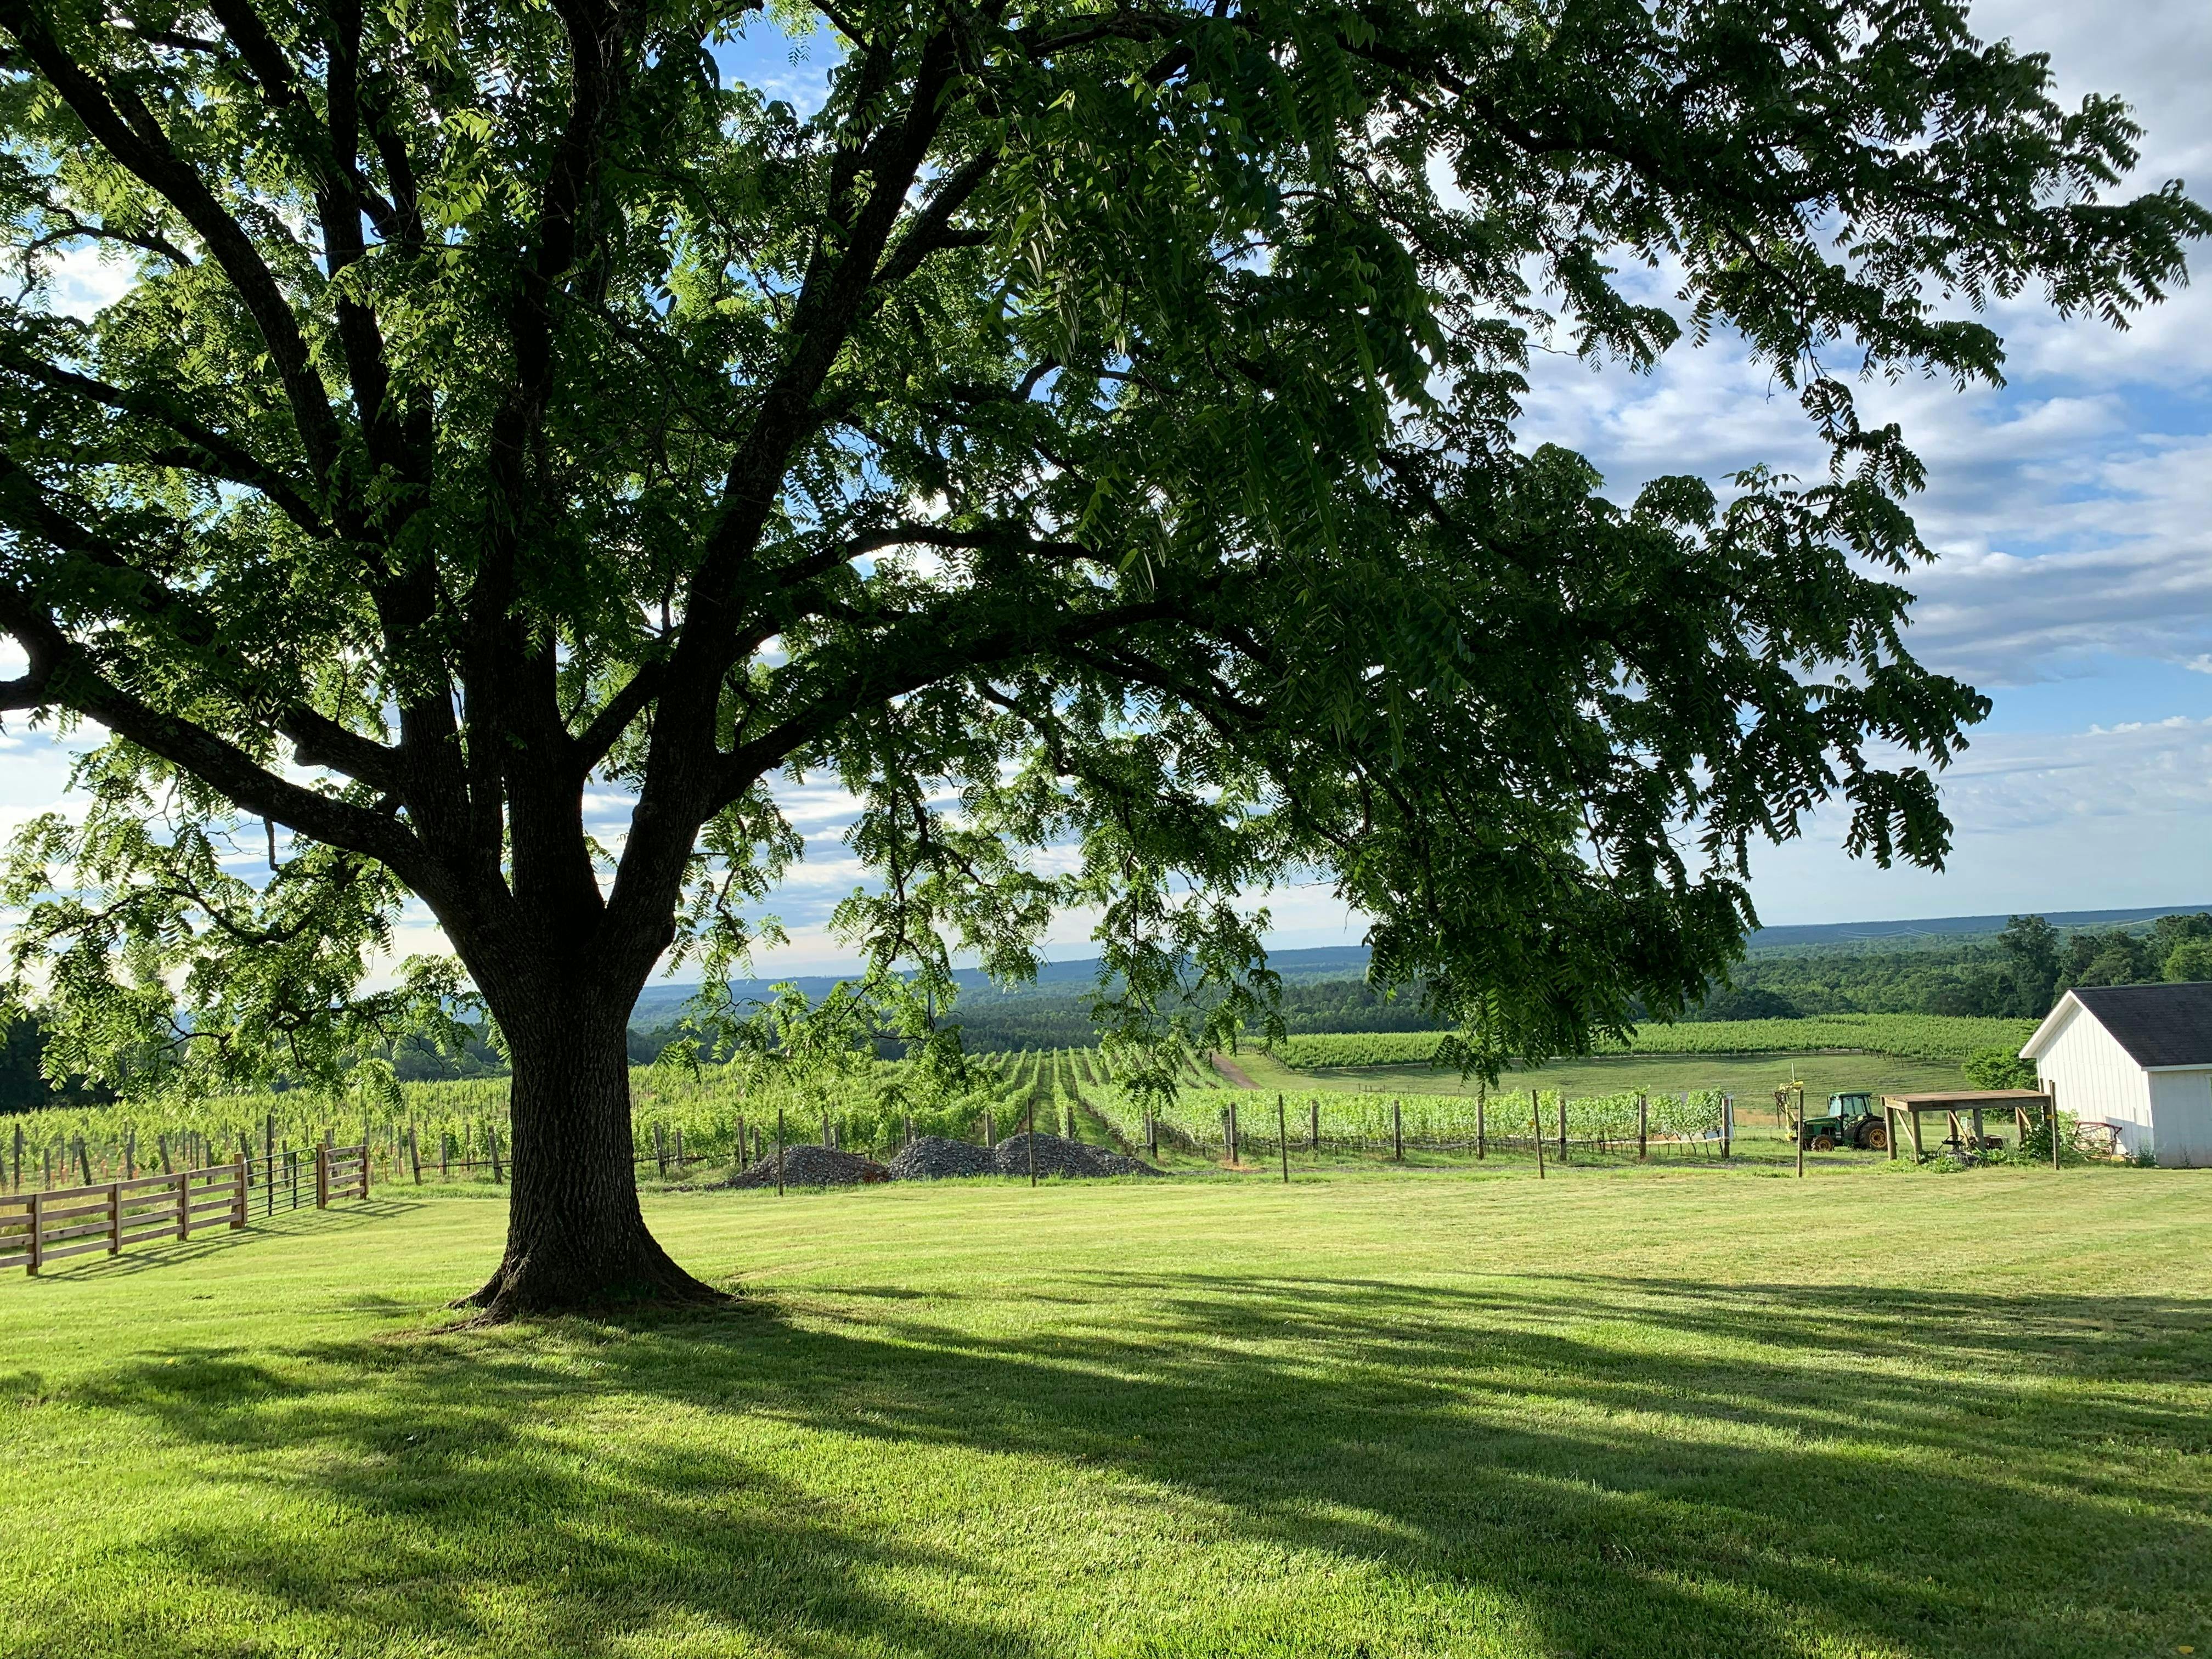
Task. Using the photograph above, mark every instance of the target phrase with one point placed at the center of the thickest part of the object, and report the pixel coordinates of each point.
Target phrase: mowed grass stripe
(1621, 1412)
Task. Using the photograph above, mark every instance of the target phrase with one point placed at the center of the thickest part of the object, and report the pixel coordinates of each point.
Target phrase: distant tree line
(2018, 972)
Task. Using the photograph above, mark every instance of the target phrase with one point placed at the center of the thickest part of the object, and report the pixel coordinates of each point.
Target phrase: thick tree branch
(129, 132)
(218, 456)
(593, 744)
(65, 674)
(931, 230)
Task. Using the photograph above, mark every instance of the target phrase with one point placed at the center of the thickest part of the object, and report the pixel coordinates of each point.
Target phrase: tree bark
(576, 1241)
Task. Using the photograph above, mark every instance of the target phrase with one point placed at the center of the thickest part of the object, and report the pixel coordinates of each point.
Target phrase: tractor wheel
(1824, 1143)
(1877, 1138)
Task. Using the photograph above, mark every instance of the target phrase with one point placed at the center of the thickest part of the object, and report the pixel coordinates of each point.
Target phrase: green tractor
(1851, 1121)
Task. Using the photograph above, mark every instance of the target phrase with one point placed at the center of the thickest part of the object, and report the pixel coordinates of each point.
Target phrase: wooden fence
(340, 1172)
(41, 1227)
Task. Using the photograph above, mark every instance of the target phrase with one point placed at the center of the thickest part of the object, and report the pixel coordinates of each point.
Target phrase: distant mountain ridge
(1847, 932)
(661, 1005)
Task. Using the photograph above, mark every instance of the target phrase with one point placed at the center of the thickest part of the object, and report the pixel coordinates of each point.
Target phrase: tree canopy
(1089, 436)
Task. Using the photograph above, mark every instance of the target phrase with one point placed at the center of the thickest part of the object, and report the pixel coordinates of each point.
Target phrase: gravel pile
(809, 1165)
(1056, 1155)
(932, 1157)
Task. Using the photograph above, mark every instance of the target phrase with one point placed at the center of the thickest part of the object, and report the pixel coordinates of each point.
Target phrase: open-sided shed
(1966, 1113)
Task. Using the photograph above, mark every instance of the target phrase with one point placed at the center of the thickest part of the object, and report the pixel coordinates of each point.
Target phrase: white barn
(2138, 1057)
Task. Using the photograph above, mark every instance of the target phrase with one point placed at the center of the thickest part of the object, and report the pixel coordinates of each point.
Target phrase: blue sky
(2073, 510)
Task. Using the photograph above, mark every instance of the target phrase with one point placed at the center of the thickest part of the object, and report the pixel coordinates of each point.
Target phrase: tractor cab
(1847, 1107)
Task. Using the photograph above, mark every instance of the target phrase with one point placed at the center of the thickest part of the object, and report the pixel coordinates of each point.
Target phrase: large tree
(1089, 434)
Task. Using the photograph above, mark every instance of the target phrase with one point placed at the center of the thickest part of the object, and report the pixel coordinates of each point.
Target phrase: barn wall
(2181, 1117)
(2098, 1080)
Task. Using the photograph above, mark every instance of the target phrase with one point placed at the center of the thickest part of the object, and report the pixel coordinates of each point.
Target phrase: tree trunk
(576, 1241)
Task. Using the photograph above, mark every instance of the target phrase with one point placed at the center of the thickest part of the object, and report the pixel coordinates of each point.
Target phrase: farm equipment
(1851, 1120)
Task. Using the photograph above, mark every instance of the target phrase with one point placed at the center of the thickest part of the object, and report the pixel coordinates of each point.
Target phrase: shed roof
(1943, 1097)
(2157, 1024)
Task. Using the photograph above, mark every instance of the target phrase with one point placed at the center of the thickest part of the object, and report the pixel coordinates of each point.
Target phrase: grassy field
(1634, 1413)
(1941, 1037)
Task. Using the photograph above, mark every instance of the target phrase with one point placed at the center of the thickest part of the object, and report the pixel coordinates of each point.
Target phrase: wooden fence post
(1536, 1121)
(1563, 1125)
(130, 1153)
(238, 1216)
(779, 1151)
(415, 1154)
(1798, 1134)
(1643, 1128)
(679, 1151)
(114, 1217)
(1235, 1134)
(1728, 1125)
(660, 1144)
(498, 1170)
(184, 1179)
(322, 1176)
(1283, 1138)
(84, 1162)
(1481, 1122)
(1397, 1129)
(37, 1232)
(18, 1186)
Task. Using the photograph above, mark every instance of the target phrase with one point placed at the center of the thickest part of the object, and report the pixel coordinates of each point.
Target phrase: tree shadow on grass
(1610, 1465)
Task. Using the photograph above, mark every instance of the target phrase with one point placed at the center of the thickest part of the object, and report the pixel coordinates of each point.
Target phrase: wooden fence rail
(41, 1227)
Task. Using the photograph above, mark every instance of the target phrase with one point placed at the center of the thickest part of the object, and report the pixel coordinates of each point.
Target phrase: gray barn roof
(2157, 1024)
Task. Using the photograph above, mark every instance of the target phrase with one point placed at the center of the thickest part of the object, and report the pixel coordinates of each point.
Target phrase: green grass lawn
(1692, 1410)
